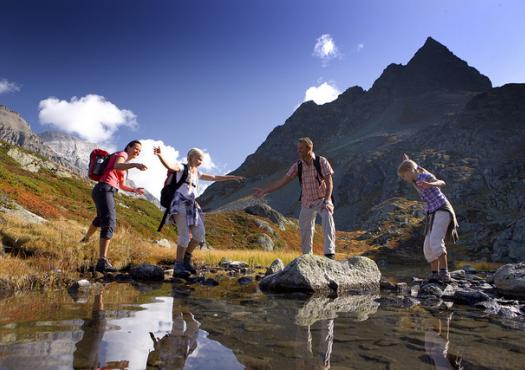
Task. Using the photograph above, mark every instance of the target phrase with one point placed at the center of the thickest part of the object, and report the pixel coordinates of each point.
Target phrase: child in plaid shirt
(441, 224)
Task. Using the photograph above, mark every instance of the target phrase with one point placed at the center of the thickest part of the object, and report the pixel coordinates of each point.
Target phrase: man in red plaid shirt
(316, 195)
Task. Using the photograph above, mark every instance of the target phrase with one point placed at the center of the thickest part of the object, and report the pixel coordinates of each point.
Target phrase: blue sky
(221, 74)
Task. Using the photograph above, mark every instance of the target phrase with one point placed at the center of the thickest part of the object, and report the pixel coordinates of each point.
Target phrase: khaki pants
(307, 227)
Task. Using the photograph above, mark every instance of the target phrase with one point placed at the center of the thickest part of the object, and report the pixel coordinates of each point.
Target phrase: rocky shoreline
(493, 293)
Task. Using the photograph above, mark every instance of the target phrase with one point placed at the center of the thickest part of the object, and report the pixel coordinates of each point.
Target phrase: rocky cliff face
(442, 112)
(68, 146)
(15, 130)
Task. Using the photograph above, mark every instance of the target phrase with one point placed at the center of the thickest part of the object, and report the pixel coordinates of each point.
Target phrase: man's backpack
(317, 164)
(168, 191)
(98, 161)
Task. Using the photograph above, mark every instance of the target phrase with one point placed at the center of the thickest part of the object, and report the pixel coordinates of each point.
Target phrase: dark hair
(132, 143)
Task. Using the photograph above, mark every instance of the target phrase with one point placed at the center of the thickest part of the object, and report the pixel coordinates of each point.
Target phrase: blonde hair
(306, 141)
(407, 165)
(195, 151)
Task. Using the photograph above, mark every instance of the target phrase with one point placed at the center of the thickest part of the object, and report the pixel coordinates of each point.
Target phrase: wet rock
(431, 302)
(275, 267)
(449, 291)
(232, 265)
(258, 277)
(311, 273)
(146, 272)
(210, 282)
(458, 274)
(491, 306)
(510, 280)
(261, 241)
(510, 312)
(360, 307)
(245, 280)
(414, 290)
(398, 302)
(402, 288)
(430, 289)
(387, 285)
(469, 296)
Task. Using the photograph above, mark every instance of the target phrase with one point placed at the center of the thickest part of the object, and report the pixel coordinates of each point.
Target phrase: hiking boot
(188, 263)
(330, 255)
(444, 276)
(179, 270)
(103, 265)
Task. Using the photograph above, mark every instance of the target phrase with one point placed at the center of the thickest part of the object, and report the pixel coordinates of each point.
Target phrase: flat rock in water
(510, 280)
(469, 296)
(310, 273)
(398, 302)
(146, 272)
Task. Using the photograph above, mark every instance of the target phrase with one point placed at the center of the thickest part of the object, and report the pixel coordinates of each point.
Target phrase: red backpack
(98, 161)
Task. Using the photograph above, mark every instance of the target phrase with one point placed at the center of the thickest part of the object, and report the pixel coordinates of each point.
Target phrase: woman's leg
(91, 230)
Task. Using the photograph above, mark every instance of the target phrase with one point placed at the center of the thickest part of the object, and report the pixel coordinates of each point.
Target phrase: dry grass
(253, 258)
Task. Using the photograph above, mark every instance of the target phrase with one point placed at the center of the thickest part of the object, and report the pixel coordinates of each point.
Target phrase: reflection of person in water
(87, 349)
(86, 353)
(173, 349)
(436, 345)
(306, 359)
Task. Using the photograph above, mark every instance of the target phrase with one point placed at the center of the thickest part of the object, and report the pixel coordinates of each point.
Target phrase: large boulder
(510, 280)
(261, 241)
(311, 273)
(264, 210)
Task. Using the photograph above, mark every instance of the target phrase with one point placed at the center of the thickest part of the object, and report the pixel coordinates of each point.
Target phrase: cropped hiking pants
(434, 244)
(104, 197)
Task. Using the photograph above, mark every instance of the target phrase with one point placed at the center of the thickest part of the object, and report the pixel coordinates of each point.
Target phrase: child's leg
(443, 263)
(435, 247)
(183, 231)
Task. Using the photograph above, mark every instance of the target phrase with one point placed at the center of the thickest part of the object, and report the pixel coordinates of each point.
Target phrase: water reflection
(437, 341)
(324, 310)
(208, 328)
(172, 350)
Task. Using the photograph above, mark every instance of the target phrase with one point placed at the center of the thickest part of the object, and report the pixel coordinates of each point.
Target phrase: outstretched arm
(207, 177)
(121, 165)
(260, 192)
(172, 167)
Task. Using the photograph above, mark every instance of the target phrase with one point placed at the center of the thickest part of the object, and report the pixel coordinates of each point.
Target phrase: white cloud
(7, 87)
(91, 117)
(359, 47)
(153, 178)
(326, 49)
(324, 93)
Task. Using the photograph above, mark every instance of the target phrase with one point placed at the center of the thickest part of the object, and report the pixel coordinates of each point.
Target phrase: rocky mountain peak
(433, 67)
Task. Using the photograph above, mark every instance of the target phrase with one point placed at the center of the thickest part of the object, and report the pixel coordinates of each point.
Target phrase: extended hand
(139, 191)
(141, 166)
(239, 178)
(156, 150)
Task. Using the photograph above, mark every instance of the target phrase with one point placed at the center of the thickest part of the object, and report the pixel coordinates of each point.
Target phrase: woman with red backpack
(112, 180)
